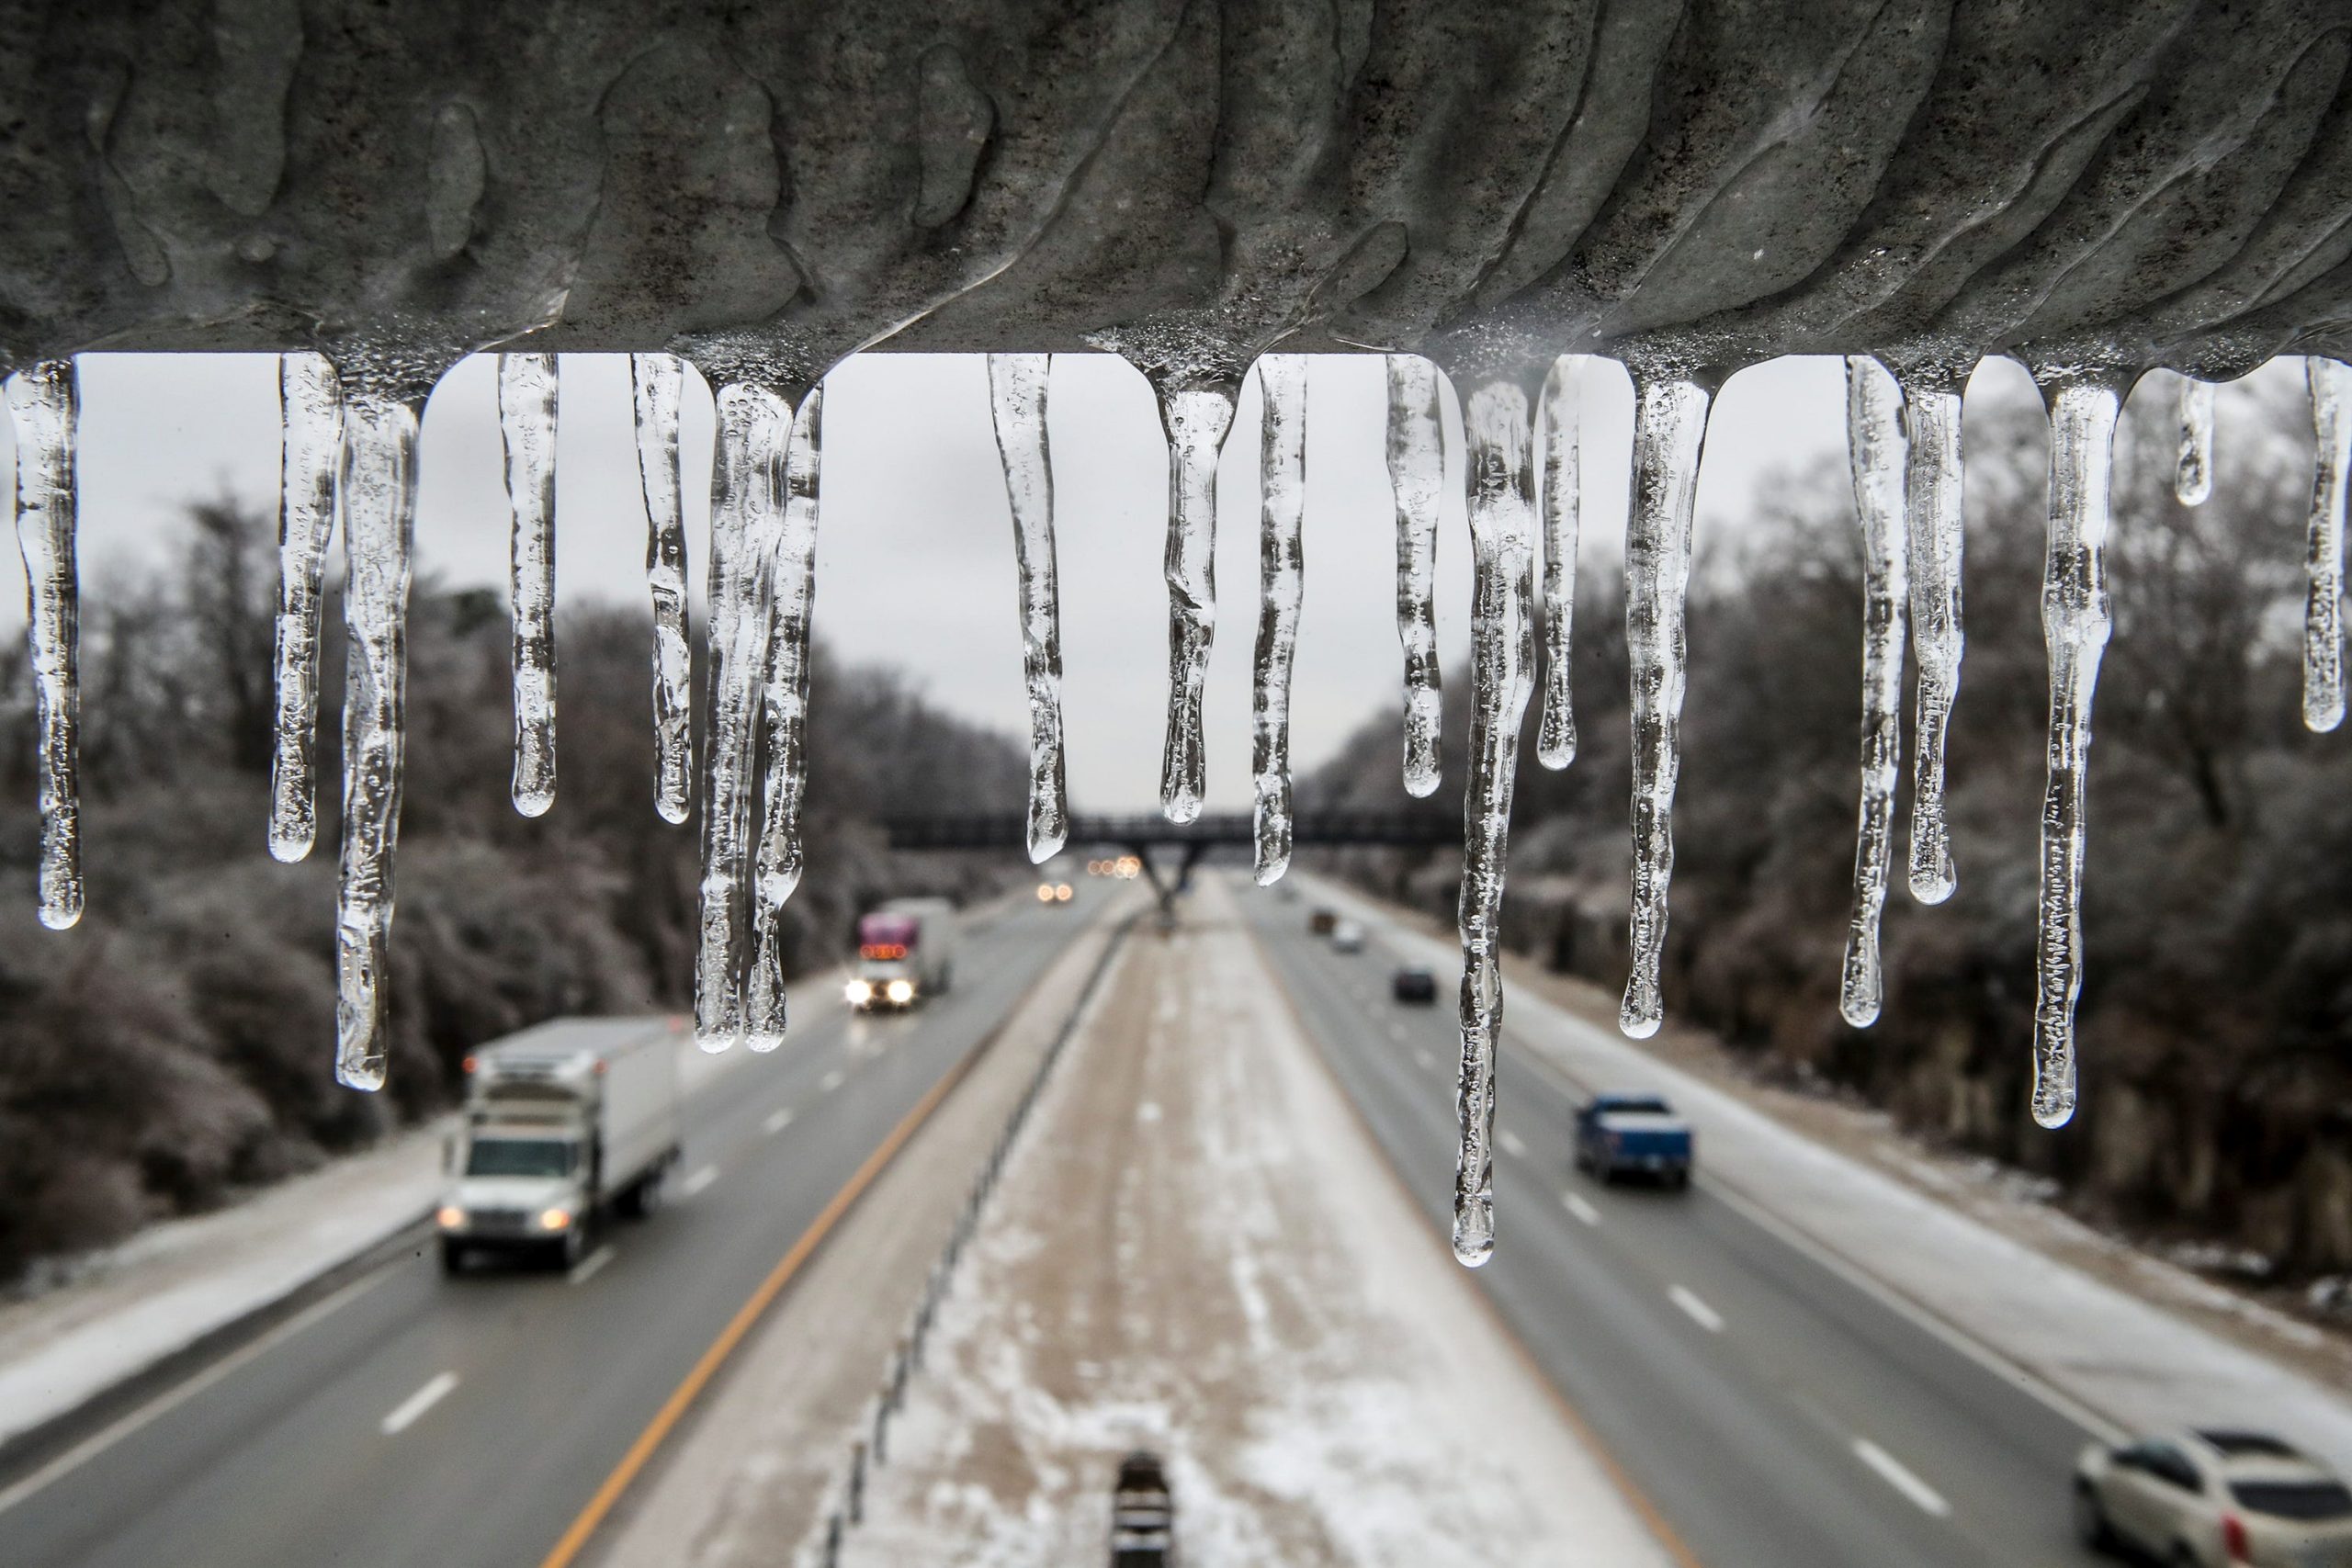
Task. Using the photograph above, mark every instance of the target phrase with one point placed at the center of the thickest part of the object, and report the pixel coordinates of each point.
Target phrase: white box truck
(563, 1123)
(906, 953)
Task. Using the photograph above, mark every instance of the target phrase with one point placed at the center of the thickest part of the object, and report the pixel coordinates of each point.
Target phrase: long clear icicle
(2192, 479)
(2331, 388)
(2074, 625)
(792, 577)
(1555, 734)
(658, 383)
(310, 398)
(1933, 520)
(527, 411)
(1282, 385)
(1195, 419)
(1875, 450)
(1017, 408)
(1499, 437)
(746, 513)
(1669, 432)
(1417, 475)
(378, 500)
(44, 405)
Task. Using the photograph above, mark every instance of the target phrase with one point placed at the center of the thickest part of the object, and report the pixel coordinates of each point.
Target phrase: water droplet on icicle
(746, 513)
(658, 383)
(2192, 481)
(1499, 434)
(1933, 521)
(44, 405)
(1017, 384)
(2331, 388)
(310, 398)
(527, 411)
(1876, 454)
(1282, 385)
(792, 575)
(1556, 736)
(2074, 625)
(377, 497)
(1416, 474)
(1195, 419)
(1669, 432)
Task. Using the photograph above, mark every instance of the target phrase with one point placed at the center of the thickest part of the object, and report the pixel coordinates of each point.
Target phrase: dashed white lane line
(1575, 1204)
(1427, 1062)
(1511, 1146)
(831, 1082)
(1695, 1310)
(777, 1121)
(589, 1266)
(698, 1180)
(1893, 1471)
(407, 1413)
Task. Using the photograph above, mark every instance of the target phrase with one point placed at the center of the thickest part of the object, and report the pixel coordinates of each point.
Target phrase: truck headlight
(555, 1220)
(449, 1217)
(859, 992)
(901, 992)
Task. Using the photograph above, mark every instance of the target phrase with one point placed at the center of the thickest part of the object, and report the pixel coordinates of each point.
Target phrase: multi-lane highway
(407, 1418)
(1773, 1411)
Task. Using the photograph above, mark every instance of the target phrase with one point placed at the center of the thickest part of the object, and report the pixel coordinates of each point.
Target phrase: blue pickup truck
(1619, 1135)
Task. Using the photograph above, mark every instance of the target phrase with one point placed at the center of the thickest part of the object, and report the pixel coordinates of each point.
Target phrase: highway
(1776, 1414)
(411, 1419)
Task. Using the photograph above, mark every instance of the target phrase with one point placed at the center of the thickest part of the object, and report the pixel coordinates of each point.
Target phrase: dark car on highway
(1628, 1134)
(1413, 985)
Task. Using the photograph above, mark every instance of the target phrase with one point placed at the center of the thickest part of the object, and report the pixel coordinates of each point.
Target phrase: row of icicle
(351, 454)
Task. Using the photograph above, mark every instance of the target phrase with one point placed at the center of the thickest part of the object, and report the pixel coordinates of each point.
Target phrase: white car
(2214, 1499)
(1347, 937)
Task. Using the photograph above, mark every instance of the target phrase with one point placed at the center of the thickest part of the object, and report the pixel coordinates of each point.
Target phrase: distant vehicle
(1321, 920)
(1413, 985)
(1053, 892)
(1347, 937)
(1143, 1514)
(562, 1123)
(2213, 1499)
(1634, 1134)
(906, 953)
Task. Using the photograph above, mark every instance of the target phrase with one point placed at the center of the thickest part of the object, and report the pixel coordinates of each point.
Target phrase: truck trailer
(906, 953)
(564, 1123)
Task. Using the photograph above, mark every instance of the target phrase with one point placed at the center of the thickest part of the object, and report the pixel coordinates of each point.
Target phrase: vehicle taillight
(2234, 1541)
(467, 1065)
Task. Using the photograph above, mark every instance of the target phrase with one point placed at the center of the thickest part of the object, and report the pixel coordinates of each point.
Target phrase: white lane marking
(1426, 1060)
(589, 1266)
(1696, 1310)
(1396, 1029)
(1891, 1470)
(100, 1441)
(697, 1182)
(408, 1411)
(831, 1082)
(1511, 1146)
(1576, 1205)
(777, 1121)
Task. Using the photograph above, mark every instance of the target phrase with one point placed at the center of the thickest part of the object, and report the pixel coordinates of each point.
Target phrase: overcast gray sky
(915, 554)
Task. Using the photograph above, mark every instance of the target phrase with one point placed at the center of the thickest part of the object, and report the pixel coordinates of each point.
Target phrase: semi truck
(564, 1123)
(906, 953)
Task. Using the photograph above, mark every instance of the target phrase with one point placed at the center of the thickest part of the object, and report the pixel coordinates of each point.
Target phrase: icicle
(2192, 482)
(44, 403)
(1499, 432)
(2075, 624)
(377, 497)
(746, 506)
(2330, 388)
(1555, 737)
(309, 400)
(1195, 419)
(1933, 521)
(1875, 450)
(792, 577)
(1416, 474)
(1670, 431)
(1282, 385)
(659, 382)
(527, 398)
(1017, 406)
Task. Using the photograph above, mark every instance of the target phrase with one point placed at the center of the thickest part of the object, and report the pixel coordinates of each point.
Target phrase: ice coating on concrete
(657, 383)
(2331, 388)
(2074, 626)
(1875, 454)
(1416, 474)
(1195, 419)
(526, 412)
(1499, 437)
(1282, 385)
(311, 412)
(1669, 432)
(43, 403)
(1556, 736)
(1933, 520)
(2192, 479)
(1017, 391)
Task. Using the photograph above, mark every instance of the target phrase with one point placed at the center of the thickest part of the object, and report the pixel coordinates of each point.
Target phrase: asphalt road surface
(411, 1419)
(1776, 1413)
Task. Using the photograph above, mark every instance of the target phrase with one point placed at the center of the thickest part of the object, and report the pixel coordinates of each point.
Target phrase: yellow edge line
(681, 1398)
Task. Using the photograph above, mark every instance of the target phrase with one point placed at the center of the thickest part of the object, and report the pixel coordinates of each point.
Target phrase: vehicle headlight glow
(1045, 893)
(555, 1220)
(901, 991)
(449, 1217)
(859, 992)
(1062, 893)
